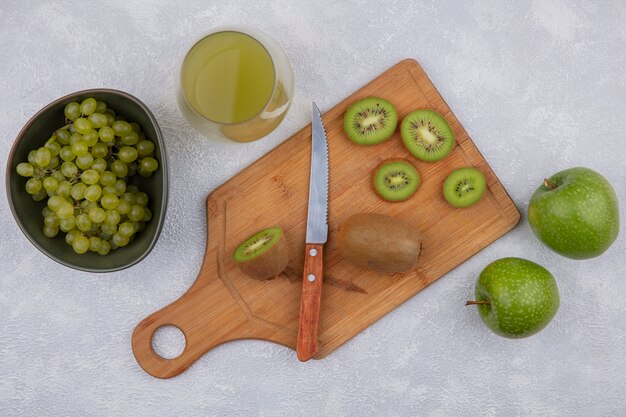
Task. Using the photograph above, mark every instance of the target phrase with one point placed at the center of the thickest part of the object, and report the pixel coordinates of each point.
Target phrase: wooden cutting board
(224, 304)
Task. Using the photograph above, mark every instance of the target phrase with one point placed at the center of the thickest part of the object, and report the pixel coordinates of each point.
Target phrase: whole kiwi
(263, 255)
(378, 242)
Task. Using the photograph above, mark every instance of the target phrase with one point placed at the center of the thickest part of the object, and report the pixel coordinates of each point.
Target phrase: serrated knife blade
(316, 236)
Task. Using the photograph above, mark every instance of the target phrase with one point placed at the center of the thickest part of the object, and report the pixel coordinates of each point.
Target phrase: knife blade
(316, 236)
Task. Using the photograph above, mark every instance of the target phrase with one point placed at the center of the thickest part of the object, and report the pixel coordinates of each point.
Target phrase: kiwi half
(370, 121)
(464, 187)
(427, 135)
(395, 179)
(264, 254)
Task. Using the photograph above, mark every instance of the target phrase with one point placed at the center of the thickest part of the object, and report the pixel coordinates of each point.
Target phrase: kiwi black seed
(464, 187)
(427, 135)
(263, 255)
(395, 179)
(370, 121)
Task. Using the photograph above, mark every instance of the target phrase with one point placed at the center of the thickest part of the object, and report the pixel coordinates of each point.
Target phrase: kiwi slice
(427, 135)
(370, 121)
(464, 187)
(263, 255)
(395, 179)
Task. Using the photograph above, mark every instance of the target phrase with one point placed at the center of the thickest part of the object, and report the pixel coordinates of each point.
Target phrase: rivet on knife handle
(310, 301)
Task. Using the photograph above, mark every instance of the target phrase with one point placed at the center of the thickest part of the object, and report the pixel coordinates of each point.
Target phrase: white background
(540, 86)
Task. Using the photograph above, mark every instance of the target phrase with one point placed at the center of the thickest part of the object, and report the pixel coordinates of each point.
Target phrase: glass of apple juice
(235, 83)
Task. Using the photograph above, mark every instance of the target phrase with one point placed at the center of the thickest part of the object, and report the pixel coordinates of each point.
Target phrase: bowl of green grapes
(87, 180)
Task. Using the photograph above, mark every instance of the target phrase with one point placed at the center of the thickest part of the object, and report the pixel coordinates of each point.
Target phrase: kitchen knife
(316, 235)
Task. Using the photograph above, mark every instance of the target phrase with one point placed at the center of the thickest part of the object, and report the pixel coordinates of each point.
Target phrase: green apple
(575, 213)
(516, 298)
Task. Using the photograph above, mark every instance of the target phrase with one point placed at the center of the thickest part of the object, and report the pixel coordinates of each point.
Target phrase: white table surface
(540, 86)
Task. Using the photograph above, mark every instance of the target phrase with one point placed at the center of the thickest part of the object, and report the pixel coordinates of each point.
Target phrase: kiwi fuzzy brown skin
(379, 243)
(269, 263)
(392, 198)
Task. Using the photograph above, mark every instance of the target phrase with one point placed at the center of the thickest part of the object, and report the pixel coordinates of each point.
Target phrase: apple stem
(469, 303)
(549, 184)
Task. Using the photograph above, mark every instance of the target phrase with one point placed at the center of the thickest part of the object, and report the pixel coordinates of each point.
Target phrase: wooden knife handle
(310, 301)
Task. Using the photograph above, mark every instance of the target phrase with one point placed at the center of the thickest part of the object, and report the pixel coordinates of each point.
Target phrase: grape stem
(549, 184)
(472, 302)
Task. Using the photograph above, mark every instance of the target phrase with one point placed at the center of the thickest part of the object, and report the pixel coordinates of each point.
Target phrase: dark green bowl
(27, 212)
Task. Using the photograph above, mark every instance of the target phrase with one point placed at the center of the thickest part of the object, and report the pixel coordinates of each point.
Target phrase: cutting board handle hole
(168, 341)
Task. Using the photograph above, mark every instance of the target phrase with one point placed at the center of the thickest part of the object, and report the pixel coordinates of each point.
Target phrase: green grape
(31, 157)
(50, 184)
(141, 198)
(72, 111)
(63, 136)
(131, 139)
(136, 128)
(132, 168)
(42, 157)
(78, 191)
(45, 212)
(76, 137)
(71, 235)
(55, 202)
(110, 119)
(106, 134)
(149, 164)
(54, 147)
(51, 220)
(133, 189)
(109, 201)
(113, 245)
(69, 169)
(88, 106)
(113, 217)
(58, 175)
(85, 161)
(145, 147)
(100, 150)
(90, 177)
(109, 229)
(147, 214)
(108, 189)
(125, 229)
(65, 189)
(110, 112)
(101, 107)
(65, 211)
(40, 195)
(97, 215)
(127, 154)
(54, 162)
(136, 213)
(104, 248)
(91, 138)
(80, 244)
(120, 187)
(94, 243)
(123, 206)
(80, 148)
(25, 169)
(83, 223)
(99, 165)
(93, 192)
(108, 178)
(121, 118)
(50, 231)
(121, 128)
(82, 125)
(119, 168)
(67, 224)
(66, 154)
(119, 241)
(33, 185)
(105, 236)
(87, 205)
(98, 120)
(129, 197)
